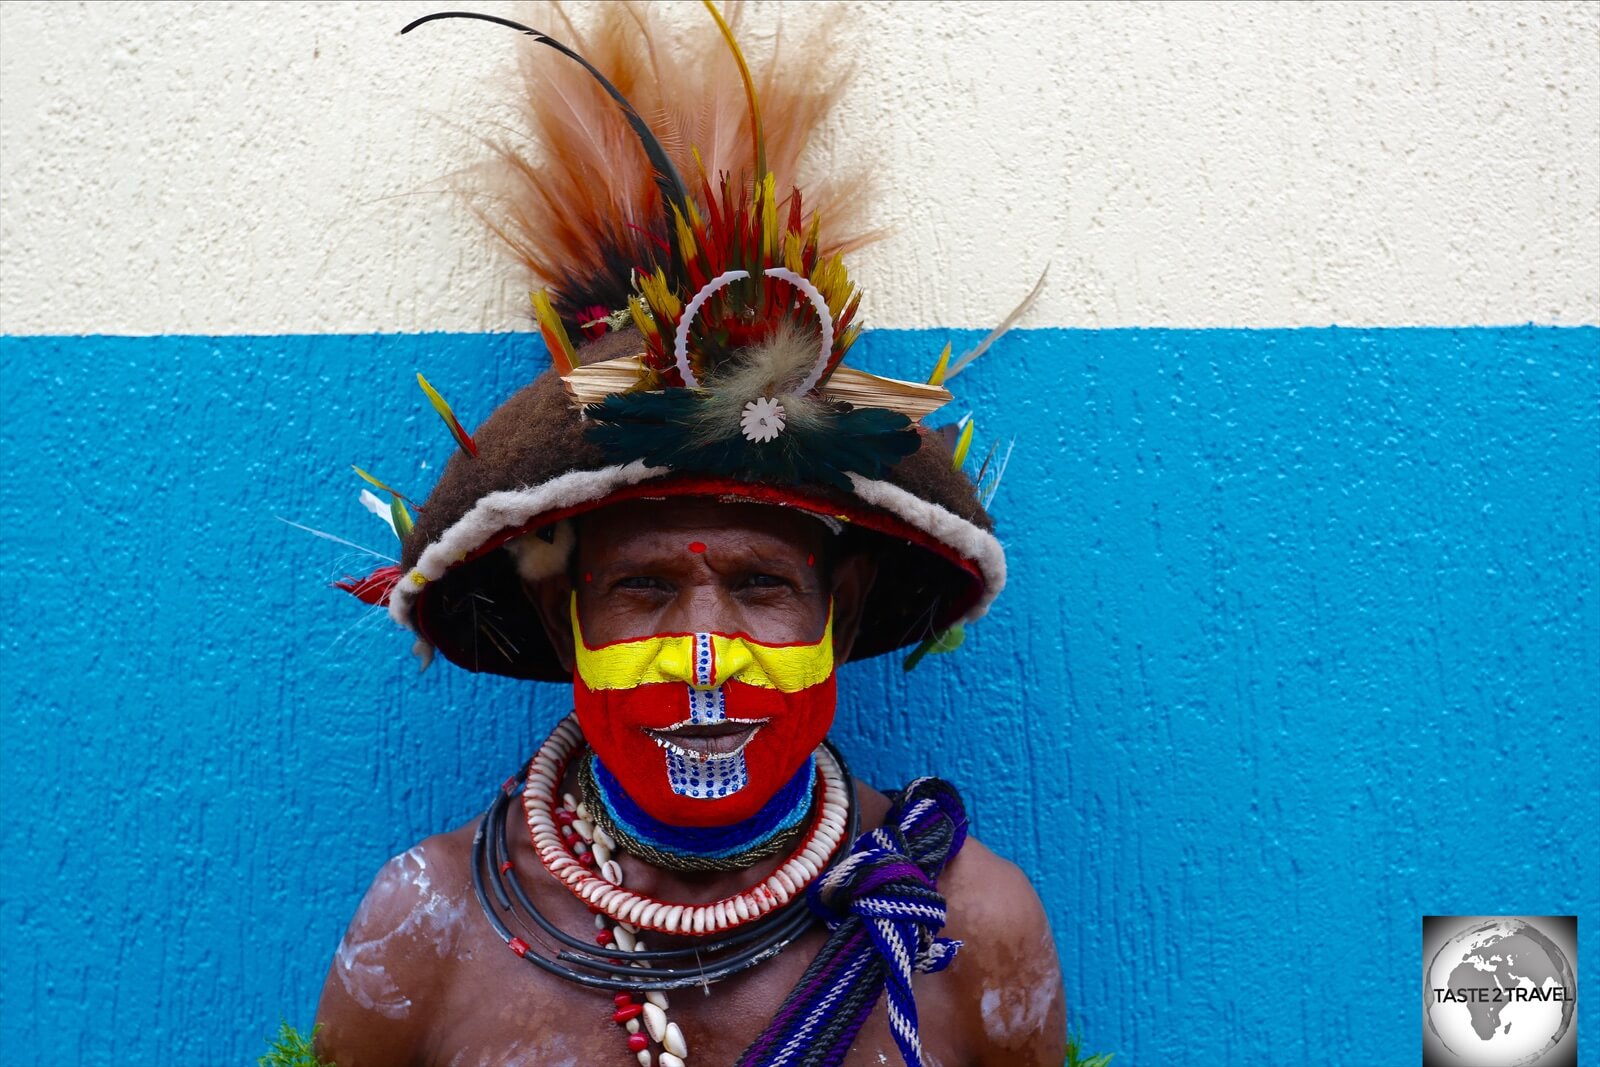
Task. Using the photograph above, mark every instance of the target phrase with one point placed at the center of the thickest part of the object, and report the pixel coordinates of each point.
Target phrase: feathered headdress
(711, 311)
(745, 312)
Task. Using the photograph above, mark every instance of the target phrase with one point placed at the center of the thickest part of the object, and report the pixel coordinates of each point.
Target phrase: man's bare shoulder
(1007, 968)
(397, 954)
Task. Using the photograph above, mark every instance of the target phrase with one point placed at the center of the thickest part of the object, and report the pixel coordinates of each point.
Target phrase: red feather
(374, 588)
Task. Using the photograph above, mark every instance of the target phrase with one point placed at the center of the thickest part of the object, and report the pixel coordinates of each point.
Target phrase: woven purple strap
(884, 912)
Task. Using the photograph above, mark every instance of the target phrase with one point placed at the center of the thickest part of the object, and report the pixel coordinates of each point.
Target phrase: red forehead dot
(811, 559)
(697, 547)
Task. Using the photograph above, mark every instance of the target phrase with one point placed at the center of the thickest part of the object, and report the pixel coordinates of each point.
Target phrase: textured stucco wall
(1302, 640)
(248, 168)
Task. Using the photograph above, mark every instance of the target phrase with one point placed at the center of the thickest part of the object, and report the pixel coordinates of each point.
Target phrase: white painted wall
(265, 168)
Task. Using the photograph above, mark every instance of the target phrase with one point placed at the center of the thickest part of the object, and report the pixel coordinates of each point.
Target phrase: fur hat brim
(937, 559)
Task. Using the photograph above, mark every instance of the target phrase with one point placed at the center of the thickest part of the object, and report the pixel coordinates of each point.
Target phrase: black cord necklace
(600, 967)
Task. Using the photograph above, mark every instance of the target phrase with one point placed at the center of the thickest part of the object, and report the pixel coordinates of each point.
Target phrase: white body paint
(404, 889)
(1013, 1015)
(517, 1054)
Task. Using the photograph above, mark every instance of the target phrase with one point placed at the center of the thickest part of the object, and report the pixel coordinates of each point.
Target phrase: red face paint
(631, 694)
(697, 547)
(811, 559)
(614, 721)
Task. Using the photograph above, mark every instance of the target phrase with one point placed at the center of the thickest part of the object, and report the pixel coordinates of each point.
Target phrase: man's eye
(763, 581)
(640, 581)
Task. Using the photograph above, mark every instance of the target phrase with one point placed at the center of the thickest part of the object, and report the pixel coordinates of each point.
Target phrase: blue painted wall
(1302, 642)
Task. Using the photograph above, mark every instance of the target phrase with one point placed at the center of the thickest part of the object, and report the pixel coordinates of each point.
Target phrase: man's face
(707, 748)
(685, 566)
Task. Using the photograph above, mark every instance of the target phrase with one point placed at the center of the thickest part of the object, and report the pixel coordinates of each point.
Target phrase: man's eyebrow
(776, 560)
(657, 553)
(637, 561)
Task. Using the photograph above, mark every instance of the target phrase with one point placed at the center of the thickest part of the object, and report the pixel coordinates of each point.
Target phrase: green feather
(948, 641)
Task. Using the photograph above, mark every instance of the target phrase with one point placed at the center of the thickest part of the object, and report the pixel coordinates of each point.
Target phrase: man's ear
(852, 581)
(552, 598)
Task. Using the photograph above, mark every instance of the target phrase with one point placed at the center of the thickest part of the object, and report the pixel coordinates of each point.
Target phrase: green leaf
(1076, 1058)
(292, 1049)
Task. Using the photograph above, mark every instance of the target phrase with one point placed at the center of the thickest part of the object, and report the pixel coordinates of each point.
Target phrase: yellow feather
(664, 303)
(848, 338)
(833, 281)
(463, 438)
(794, 252)
(370, 480)
(686, 243)
(769, 217)
(642, 318)
(555, 334)
(963, 443)
(937, 377)
(749, 92)
(436, 400)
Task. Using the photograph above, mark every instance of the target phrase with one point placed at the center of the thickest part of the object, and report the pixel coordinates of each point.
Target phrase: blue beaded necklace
(768, 832)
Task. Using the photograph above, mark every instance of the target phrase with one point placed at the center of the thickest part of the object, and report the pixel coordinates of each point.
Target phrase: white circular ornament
(680, 340)
(762, 420)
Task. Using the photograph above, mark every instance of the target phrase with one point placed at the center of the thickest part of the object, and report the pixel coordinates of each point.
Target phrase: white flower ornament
(762, 420)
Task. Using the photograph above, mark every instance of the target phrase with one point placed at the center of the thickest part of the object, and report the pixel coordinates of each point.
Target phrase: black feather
(673, 191)
(659, 428)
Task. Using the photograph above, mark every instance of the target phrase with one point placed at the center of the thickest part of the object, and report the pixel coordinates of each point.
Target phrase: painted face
(702, 729)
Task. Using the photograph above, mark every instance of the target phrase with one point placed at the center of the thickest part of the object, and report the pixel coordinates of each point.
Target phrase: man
(693, 521)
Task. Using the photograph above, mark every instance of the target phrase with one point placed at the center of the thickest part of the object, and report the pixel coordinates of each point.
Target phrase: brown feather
(572, 195)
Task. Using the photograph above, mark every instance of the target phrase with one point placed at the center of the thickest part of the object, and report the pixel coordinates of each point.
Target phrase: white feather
(373, 503)
(1000, 330)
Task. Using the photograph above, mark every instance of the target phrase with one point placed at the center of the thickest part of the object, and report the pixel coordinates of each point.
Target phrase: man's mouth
(706, 742)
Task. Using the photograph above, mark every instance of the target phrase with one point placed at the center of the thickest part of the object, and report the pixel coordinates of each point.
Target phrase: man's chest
(499, 1010)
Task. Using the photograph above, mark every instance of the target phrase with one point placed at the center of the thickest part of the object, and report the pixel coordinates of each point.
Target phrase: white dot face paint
(702, 778)
(402, 906)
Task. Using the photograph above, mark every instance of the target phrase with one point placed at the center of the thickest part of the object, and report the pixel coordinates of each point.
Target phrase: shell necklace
(598, 880)
(767, 917)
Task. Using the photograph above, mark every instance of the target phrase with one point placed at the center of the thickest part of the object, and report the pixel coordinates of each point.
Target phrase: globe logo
(1499, 993)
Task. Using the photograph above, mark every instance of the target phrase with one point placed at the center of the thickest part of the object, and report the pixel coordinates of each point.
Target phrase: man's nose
(702, 610)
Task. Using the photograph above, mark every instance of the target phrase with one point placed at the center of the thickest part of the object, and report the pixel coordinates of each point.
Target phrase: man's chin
(649, 788)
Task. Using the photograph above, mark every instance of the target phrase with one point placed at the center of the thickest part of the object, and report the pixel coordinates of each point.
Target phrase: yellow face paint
(632, 696)
(733, 657)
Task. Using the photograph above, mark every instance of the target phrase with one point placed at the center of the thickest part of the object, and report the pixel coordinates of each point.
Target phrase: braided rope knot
(895, 899)
(883, 913)
(888, 883)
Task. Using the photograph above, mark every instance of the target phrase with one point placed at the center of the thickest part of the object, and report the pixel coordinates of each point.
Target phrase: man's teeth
(706, 742)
